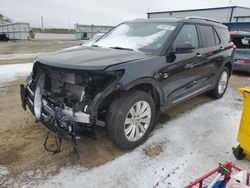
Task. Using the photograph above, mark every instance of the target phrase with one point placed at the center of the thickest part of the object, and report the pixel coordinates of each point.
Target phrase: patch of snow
(3, 171)
(3, 175)
(7, 57)
(54, 36)
(192, 144)
(12, 71)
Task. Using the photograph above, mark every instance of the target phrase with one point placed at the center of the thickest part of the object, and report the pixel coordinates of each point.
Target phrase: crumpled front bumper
(49, 116)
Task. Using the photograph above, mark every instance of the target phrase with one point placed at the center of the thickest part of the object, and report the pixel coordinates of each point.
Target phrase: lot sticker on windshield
(166, 27)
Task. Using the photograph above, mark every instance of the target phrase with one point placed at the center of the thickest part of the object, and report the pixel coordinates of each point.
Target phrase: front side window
(139, 36)
(188, 34)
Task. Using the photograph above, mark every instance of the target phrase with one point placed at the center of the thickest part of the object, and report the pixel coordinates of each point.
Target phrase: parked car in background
(91, 41)
(4, 37)
(241, 40)
(125, 79)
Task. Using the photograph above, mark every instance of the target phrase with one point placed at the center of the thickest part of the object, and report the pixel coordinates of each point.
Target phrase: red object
(235, 35)
(244, 61)
(200, 182)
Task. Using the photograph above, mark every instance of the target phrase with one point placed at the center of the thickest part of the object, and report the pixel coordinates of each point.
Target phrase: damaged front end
(68, 102)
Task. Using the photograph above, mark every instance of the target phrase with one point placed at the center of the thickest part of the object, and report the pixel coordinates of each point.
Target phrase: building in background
(16, 31)
(84, 32)
(235, 17)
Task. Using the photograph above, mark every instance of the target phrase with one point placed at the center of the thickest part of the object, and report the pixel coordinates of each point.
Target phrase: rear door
(211, 55)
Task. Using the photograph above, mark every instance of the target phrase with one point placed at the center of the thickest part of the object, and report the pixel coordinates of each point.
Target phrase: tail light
(242, 61)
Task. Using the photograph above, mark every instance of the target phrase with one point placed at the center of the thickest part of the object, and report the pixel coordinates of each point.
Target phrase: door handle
(221, 48)
(189, 66)
(198, 55)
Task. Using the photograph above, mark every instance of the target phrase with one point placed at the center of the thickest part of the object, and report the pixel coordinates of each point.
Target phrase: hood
(89, 58)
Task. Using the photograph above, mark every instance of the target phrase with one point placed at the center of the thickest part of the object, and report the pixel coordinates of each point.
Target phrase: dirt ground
(21, 140)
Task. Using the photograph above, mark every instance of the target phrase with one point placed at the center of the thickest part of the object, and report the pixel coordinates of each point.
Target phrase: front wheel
(221, 85)
(130, 119)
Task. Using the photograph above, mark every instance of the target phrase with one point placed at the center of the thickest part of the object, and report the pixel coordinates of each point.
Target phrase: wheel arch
(230, 67)
(148, 85)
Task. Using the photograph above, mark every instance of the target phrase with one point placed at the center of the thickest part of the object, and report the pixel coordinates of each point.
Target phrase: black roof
(202, 9)
(179, 20)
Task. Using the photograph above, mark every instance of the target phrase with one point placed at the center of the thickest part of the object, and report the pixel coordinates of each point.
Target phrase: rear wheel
(130, 119)
(221, 85)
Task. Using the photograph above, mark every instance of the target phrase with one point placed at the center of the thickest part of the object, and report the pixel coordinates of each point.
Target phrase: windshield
(145, 37)
(241, 41)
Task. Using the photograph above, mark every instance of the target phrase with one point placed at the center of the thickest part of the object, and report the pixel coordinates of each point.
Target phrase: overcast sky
(64, 13)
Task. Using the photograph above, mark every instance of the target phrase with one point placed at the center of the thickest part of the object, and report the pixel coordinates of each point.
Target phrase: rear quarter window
(224, 34)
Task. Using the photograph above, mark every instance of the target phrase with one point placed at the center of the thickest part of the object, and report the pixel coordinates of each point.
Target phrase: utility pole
(68, 24)
(42, 22)
(230, 2)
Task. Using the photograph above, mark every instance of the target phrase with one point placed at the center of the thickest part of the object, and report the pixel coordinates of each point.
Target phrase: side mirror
(185, 47)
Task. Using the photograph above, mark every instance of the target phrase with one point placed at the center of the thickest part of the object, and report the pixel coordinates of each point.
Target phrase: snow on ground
(6, 57)
(12, 71)
(54, 36)
(192, 144)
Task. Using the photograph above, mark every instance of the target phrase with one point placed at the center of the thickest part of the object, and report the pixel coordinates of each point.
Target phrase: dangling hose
(58, 142)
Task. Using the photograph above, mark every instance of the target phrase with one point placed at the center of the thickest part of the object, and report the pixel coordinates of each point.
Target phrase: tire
(221, 85)
(122, 109)
(238, 153)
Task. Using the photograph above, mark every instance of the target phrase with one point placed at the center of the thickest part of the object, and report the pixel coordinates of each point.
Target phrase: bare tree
(5, 18)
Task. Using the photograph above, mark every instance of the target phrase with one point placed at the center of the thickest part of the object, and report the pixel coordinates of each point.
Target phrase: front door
(179, 78)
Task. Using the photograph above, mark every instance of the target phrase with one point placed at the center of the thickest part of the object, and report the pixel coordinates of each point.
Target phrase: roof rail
(201, 18)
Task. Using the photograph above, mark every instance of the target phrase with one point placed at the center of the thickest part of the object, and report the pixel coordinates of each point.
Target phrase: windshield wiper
(94, 45)
(121, 48)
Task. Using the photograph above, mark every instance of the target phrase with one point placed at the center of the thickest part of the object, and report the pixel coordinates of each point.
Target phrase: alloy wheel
(223, 83)
(137, 121)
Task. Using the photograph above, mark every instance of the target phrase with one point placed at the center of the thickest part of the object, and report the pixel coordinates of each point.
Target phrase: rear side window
(208, 36)
(188, 34)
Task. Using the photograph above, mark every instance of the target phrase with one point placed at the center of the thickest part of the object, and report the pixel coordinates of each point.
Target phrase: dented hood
(89, 58)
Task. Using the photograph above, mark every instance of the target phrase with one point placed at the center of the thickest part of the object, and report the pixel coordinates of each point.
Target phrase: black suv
(126, 78)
